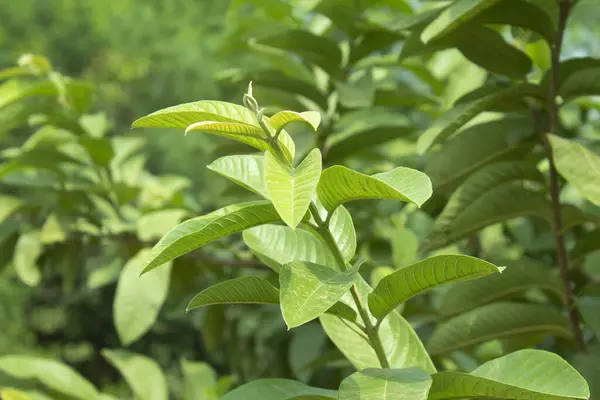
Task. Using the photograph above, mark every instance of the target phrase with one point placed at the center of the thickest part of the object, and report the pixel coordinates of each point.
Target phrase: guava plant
(302, 231)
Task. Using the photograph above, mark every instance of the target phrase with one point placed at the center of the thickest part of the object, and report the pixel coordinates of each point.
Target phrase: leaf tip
(501, 269)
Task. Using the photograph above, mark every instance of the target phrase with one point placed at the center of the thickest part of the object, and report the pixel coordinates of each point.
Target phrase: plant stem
(561, 253)
(371, 332)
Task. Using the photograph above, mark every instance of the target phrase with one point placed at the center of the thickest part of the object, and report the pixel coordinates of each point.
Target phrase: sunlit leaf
(339, 185)
(407, 282)
(142, 374)
(245, 170)
(282, 118)
(386, 384)
(342, 230)
(291, 189)
(8, 205)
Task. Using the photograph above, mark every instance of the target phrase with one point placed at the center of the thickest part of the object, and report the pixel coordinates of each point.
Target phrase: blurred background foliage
(128, 58)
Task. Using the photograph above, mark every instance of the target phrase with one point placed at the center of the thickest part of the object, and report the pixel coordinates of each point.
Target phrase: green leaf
(291, 189)
(405, 246)
(245, 170)
(13, 394)
(487, 143)
(52, 231)
(200, 381)
(154, 225)
(519, 276)
(308, 290)
(184, 115)
(8, 205)
(359, 93)
(197, 232)
(27, 250)
(243, 290)
(578, 165)
(488, 196)
(277, 389)
(342, 230)
(496, 321)
(402, 346)
(458, 13)
(589, 366)
(588, 303)
(339, 185)
(577, 77)
(523, 374)
(282, 118)
(307, 345)
(142, 374)
(251, 290)
(138, 299)
(53, 374)
(281, 245)
(403, 284)
(459, 115)
(386, 384)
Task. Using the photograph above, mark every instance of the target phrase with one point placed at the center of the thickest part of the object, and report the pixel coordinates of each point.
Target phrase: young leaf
(459, 115)
(282, 245)
(339, 185)
(523, 374)
(579, 166)
(407, 282)
(245, 170)
(53, 374)
(252, 290)
(386, 384)
(458, 13)
(402, 346)
(519, 276)
(291, 189)
(197, 232)
(277, 389)
(496, 321)
(143, 375)
(27, 250)
(184, 115)
(138, 299)
(282, 118)
(308, 290)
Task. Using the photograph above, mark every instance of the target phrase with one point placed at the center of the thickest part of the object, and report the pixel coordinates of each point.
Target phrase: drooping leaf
(281, 245)
(245, 170)
(496, 321)
(578, 165)
(339, 185)
(386, 384)
(27, 250)
(53, 374)
(251, 290)
(519, 276)
(197, 232)
(407, 282)
(309, 290)
(458, 13)
(138, 299)
(142, 374)
(402, 346)
(277, 389)
(453, 120)
(523, 374)
(291, 189)
(282, 118)
(342, 230)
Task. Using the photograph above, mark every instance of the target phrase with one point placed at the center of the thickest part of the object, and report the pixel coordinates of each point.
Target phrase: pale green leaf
(496, 321)
(8, 205)
(309, 290)
(578, 165)
(386, 384)
(245, 170)
(458, 13)
(13, 394)
(276, 389)
(342, 230)
(200, 381)
(138, 299)
(27, 250)
(53, 374)
(339, 185)
(519, 276)
(142, 374)
(530, 374)
(407, 282)
(282, 118)
(402, 346)
(155, 224)
(405, 246)
(282, 244)
(291, 189)
(453, 120)
(197, 232)
(52, 231)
